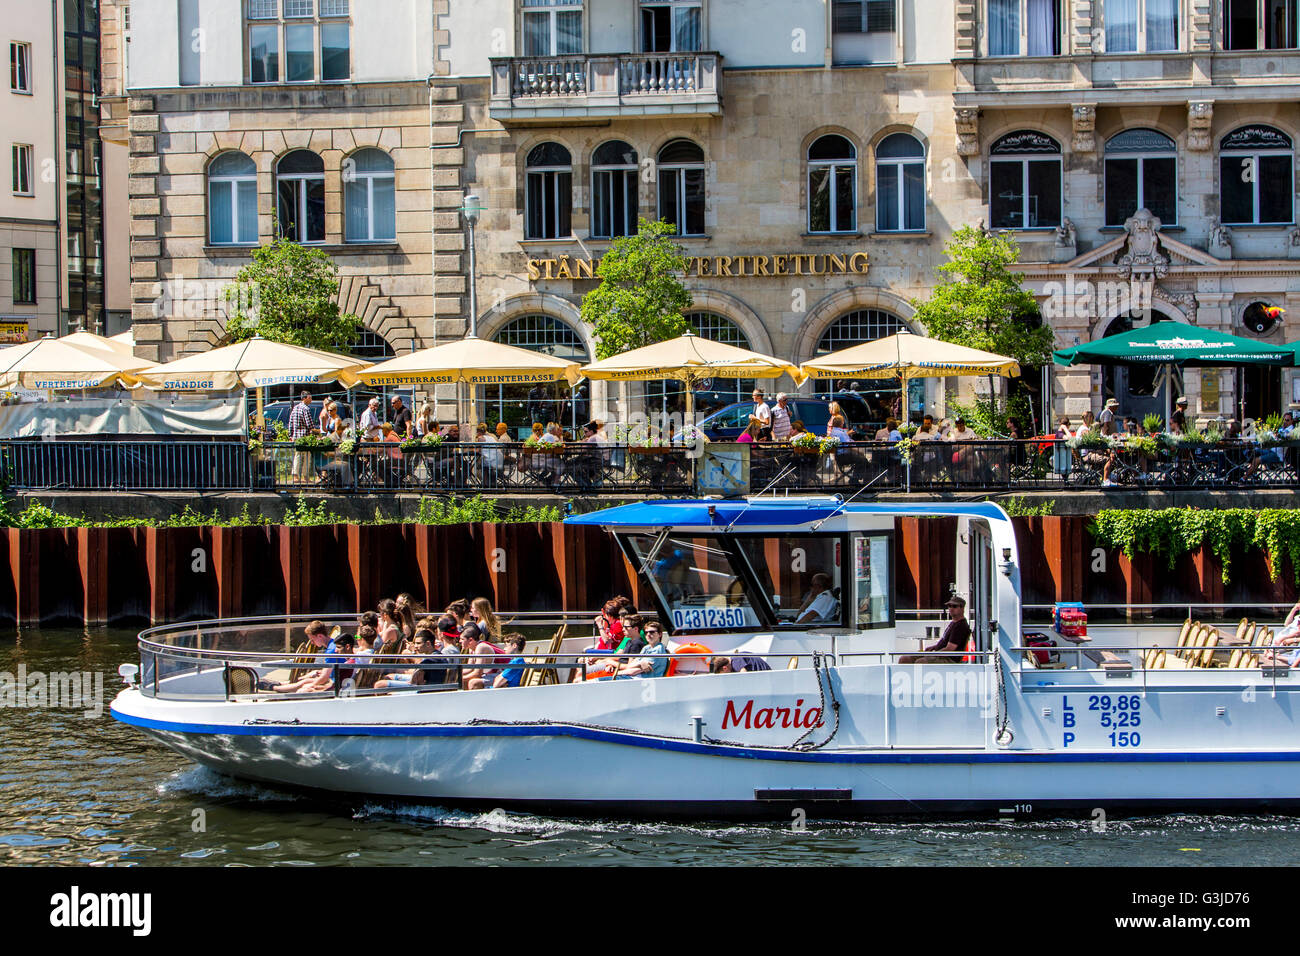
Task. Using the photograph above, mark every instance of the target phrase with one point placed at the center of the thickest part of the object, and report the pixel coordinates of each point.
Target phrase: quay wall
(155, 575)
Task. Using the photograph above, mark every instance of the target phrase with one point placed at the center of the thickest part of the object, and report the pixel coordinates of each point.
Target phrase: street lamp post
(470, 209)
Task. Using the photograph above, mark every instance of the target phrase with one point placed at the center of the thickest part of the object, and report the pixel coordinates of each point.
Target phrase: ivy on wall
(1173, 532)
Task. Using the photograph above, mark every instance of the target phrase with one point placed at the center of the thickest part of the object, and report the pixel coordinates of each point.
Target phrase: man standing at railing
(955, 637)
(300, 426)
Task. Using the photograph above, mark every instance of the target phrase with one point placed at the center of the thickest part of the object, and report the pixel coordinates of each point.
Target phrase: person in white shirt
(763, 413)
(781, 418)
(370, 422)
(961, 432)
(821, 606)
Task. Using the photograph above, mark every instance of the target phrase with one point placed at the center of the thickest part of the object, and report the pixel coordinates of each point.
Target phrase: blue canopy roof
(765, 512)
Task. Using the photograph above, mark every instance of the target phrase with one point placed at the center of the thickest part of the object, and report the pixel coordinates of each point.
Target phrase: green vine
(1174, 532)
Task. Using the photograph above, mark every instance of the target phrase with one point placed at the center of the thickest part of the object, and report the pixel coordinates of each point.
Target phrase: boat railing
(204, 674)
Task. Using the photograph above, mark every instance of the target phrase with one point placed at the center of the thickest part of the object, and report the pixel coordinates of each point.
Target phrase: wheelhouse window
(1025, 181)
(1141, 173)
(900, 184)
(614, 170)
(1023, 27)
(300, 197)
(369, 198)
(1255, 177)
(548, 200)
(1259, 24)
(681, 187)
(1141, 26)
(832, 185)
(552, 27)
(670, 26)
(698, 579)
(299, 41)
(232, 200)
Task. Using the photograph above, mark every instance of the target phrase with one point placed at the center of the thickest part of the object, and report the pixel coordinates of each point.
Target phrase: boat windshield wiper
(843, 504)
(655, 548)
(748, 504)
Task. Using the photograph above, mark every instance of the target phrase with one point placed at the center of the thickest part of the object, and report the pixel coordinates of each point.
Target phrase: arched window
(681, 187)
(832, 185)
(1025, 181)
(900, 184)
(1141, 173)
(521, 405)
(882, 396)
(1255, 176)
(668, 396)
(232, 200)
(613, 190)
(300, 196)
(369, 201)
(548, 203)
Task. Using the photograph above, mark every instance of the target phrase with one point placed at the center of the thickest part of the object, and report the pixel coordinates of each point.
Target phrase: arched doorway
(667, 397)
(521, 405)
(883, 396)
(1140, 389)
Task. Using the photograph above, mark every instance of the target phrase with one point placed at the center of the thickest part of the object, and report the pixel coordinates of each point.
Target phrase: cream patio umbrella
(907, 356)
(690, 358)
(254, 363)
(124, 339)
(59, 365)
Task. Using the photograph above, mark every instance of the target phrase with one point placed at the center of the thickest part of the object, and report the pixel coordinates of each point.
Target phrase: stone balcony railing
(544, 89)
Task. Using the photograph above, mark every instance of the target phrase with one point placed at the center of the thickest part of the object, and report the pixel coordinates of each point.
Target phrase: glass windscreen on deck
(800, 574)
(697, 581)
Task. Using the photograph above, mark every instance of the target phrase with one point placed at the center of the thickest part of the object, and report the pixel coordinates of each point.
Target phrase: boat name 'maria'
(766, 717)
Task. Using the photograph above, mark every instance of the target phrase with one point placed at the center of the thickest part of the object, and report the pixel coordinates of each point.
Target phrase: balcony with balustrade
(540, 90)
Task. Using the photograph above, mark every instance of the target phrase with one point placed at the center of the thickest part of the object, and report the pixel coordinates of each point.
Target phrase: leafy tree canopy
(289, 293)
(641, 298)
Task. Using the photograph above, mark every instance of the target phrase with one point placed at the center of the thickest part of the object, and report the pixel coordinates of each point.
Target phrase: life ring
(688, 648)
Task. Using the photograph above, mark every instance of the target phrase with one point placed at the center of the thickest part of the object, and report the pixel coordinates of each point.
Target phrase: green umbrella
(1175, 343)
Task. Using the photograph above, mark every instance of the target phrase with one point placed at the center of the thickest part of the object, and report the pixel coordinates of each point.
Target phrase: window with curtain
(300, 196)
(1255, 177)
(614, 171)
(1025, 181)
(681, 187)
(1141, 173)
(1141, 26)
(548, 195)
(369, 197)
(552, 27)
(670, 26)
(232, 200)
(1023, 27)
(832, 185)
(900, 184)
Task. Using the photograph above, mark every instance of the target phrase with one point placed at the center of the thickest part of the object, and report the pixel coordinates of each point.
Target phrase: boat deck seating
(1199, 645)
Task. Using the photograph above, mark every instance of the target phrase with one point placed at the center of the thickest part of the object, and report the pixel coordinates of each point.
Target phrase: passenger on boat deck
(488, 657)
(609, 630)
(514, 670)
(955, 636)
(406, 615)
(739, 664)
(322, 678)
(481, 613)
(633, 643)
(821, 604)
(1288, 637)
(390, 627)
(366, 638)
(418, 675)
(653, 661)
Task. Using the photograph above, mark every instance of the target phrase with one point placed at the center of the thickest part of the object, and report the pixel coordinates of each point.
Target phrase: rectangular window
(263, 9)
(333, 8)
(1275, 189)
(264, 54)
(335, 58)
(550, 205)
(672, 27)
(189, 46)
(1259, 24)
(614, 203)
(311, 46)
(1025, 194)
(863, 16)
(22, 170)
(1044, 198)
(1121, 190)
(300, 53)
(1004, 27)
(1121, 26)
(24, 276)
(1023, 27)
(299, 8)
(553, 31)
(681, 200)
(20, 67)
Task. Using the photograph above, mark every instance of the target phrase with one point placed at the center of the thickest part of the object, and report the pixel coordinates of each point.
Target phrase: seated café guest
(1288, 425)
(752, 431)
(538, 431)
(553, 435)
(1063, 429)
(835, 428)
(796, 429)
(503, 432)
(1179, 416)
(928, 431)
(424, 423)
(654, 659)
(737, 665)
(513, 673)
(1013, 430)
(961, 432)
(955, 636)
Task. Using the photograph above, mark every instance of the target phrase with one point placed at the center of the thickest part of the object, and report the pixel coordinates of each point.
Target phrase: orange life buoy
(687, 648)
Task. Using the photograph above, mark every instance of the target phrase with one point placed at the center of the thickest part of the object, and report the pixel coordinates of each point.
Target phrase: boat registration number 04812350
(1117, 716)
(697, 617)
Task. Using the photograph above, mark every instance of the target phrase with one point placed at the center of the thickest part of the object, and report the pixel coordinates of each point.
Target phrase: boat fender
(688, 648)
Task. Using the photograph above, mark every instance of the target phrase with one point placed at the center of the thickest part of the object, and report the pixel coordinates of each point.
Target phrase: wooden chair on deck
(537, 676)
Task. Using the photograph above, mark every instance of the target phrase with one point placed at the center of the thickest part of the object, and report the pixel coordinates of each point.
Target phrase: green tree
(640, 299)
(289, 293)
(980, 303)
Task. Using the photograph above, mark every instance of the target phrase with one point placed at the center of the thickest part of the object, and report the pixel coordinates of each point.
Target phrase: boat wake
(200, 781)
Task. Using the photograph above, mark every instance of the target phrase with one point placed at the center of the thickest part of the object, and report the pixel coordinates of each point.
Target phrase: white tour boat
(836, 726)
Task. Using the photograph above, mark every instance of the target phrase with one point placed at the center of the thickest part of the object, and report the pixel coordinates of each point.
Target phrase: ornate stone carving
(1220, 240)
(1085, 127)
(1142, 257)
(1200, 115)
(1184, 301)
(968, 131)
(1065, 232)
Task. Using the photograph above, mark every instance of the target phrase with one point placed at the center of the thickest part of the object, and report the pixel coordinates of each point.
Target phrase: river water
(86, 790)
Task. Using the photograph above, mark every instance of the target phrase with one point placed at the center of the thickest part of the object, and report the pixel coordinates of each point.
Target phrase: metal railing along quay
(588, 468)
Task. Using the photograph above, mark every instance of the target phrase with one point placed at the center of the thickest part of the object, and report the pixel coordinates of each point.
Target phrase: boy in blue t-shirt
(513, 672)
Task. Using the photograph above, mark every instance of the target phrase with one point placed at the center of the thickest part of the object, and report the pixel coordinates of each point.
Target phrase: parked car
(728, 422)
(278, 412)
